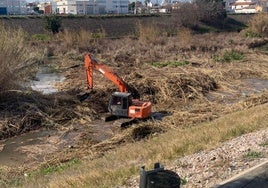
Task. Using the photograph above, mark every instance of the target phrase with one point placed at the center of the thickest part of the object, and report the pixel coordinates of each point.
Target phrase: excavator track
(119, 121)
(124, 123)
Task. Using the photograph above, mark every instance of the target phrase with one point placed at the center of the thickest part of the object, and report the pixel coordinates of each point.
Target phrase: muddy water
(255, 85)
(102, 130)
(35, 146)
(10, 154)
(45, 80)
(246, 88)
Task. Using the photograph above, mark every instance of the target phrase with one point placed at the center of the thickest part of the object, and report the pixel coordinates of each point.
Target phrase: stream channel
(14, 150)
(45, 80)
(36, 145)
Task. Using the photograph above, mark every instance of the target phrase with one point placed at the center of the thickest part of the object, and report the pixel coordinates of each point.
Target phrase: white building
(92, 6)
(117, 6)
(241, 6)
(87, 7)
(13, 7)
(102, 4)
(66, 7)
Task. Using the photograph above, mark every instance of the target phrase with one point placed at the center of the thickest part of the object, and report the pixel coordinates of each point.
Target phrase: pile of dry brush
(21, 112)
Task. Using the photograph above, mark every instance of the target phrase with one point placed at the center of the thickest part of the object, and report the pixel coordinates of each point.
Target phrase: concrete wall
(14, 6)
(114, 27)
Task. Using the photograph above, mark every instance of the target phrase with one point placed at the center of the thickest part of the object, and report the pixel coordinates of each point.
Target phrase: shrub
(147, 33)
(53, 24)
(16, 57)
(257, 26)
(232, 55)
(82, 40)
(68, 39)
(185, 37)
(12, 54)
(251, 34)
(190, 14)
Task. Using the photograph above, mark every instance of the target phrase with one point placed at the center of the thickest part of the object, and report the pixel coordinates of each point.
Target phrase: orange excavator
(121, 103)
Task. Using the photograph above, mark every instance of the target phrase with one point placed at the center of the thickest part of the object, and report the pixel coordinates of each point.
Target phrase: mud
(244, 88)
(102, 131)
(36, 146)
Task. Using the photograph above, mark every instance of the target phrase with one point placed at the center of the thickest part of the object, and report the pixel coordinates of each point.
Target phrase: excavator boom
(91, 64)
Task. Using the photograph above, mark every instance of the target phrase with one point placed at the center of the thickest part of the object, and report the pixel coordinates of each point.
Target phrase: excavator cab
(119, 104)
(123, 105)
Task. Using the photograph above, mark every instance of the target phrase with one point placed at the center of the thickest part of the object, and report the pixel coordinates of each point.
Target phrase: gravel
(210, 167)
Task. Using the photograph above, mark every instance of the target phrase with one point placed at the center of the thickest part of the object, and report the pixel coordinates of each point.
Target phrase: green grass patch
(264, 144)
(183, 181)
(253, 154)
(61, 167)
(41, 37)
(228, 56)
(251, 34)
(170, 64)
(233, 132)
(52, 169)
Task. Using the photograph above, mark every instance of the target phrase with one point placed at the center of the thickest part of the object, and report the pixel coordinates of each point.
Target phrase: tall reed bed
(12, 54)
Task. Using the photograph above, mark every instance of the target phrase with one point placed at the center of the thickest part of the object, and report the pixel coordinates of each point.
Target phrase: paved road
(256, 177)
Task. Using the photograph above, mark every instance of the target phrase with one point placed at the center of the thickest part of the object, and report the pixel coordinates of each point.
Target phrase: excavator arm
(91, 64)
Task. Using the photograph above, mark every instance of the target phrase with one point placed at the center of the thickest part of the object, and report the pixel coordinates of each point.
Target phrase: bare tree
(189, 14)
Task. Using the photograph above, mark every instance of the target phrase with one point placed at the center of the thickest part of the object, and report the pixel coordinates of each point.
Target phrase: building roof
(242, 3)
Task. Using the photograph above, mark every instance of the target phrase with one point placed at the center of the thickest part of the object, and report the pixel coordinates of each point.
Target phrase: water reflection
(45, 80)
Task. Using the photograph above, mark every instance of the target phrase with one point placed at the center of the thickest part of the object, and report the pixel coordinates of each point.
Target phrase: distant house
(87, 7)
(263, 4)
(117, 6)
(45, 7)
(66, 7)
(30, 8)
(92, 6)
(14, 7)
(242, 6)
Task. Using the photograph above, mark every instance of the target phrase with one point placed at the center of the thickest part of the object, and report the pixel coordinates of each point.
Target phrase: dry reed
(21, 112)
(258, 24)
(12, 55)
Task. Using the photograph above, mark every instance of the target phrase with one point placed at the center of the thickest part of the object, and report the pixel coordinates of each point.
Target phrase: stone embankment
(209, 168)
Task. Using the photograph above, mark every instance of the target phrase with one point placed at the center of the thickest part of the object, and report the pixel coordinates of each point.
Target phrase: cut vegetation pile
(167, 86)
(22, 112)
